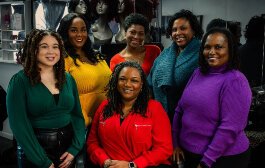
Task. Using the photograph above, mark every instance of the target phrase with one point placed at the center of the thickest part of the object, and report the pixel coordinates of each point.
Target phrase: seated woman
(129, 129)
(136, 27)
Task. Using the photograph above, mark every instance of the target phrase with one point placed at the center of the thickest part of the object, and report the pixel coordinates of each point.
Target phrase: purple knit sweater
(212, 114)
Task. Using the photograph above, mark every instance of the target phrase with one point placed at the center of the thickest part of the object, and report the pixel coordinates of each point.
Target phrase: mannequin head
(80, 7)
(124, 8)
(104, 8)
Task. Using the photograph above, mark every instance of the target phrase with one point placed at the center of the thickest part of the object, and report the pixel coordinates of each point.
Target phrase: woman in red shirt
(136, 27)
(129, 129)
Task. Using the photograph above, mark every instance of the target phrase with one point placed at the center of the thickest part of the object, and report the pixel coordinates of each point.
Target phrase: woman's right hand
(52, 166)
(178, 155)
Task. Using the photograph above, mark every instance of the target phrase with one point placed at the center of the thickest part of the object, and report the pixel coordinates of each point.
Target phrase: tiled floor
(7, 153)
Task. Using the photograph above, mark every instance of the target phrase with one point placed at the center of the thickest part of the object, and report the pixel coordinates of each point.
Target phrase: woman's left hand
(118, 164)
(67, 159)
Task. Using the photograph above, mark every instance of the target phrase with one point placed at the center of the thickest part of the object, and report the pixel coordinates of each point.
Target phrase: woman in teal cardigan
(43, 105)
(174, 66)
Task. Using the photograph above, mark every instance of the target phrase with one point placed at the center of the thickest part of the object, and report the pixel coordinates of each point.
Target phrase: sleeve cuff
(207, 162)
(46, 164)
(140, 162)
(73, 151)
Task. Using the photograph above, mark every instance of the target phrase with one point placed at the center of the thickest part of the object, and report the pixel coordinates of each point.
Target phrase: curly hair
(255, 28)
(66, 22)
(138, 19)
(72, 5)
(28, 52)
(233, 61)
(194, 23)
(114, 98)
(112, 8)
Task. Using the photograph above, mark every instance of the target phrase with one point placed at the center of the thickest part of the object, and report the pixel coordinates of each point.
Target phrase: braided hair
(27, 56)
(115, 103)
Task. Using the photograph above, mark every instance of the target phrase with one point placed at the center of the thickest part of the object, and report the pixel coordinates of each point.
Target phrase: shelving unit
(15, 23)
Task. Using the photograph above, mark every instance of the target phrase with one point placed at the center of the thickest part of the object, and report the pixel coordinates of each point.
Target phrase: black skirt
(54, 141)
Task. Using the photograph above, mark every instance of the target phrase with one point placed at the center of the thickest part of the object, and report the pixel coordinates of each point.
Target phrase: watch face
(131, 165)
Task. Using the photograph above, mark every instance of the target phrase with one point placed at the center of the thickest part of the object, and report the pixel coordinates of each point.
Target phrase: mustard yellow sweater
(91, 81)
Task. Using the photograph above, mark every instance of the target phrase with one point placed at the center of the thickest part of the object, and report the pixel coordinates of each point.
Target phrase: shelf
(14, 24)
(9, 50)
(8, 61)
(11, 30)
(12, 40)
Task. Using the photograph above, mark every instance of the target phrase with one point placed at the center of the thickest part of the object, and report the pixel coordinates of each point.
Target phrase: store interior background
(230, 10)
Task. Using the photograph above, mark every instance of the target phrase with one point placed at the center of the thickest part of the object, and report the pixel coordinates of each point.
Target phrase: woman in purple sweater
(209, 121)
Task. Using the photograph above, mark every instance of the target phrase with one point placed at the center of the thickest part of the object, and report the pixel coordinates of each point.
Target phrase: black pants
(233, 161)
(54, 141)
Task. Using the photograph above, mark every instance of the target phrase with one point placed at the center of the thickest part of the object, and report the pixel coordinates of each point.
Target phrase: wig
(128, 9)
(233, 61)
(115, 102)
(63, 28)
(112, 8)
(28, 52)
(72, 5)
(195, 25)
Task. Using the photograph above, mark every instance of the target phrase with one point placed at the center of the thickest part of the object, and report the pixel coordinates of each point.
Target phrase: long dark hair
(233, 61)
(72, 5)
(112, 8)
(115, 103)
(27, 56)
(65, 24)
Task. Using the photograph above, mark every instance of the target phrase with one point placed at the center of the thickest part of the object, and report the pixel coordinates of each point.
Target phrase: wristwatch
(131, 165)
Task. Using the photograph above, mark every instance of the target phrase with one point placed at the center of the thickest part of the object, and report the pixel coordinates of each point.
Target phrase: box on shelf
(16, 21)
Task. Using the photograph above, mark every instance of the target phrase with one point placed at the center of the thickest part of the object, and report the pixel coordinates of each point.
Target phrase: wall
(7, 70)
(236, 10)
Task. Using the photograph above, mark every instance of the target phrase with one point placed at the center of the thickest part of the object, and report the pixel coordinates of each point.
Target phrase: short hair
(115, 101)
(112, 8)
(255, 28)
(63, 28)
(216, 23)
(233, 60)
(27, 56)
(138, 19)
(195, 25)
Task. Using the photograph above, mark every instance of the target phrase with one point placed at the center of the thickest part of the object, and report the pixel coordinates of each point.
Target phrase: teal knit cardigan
(170, 70)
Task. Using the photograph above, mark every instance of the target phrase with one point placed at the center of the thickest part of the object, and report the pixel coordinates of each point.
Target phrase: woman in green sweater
(43, 105)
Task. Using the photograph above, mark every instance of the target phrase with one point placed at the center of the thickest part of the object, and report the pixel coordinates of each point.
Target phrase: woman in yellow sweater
(87, 66)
